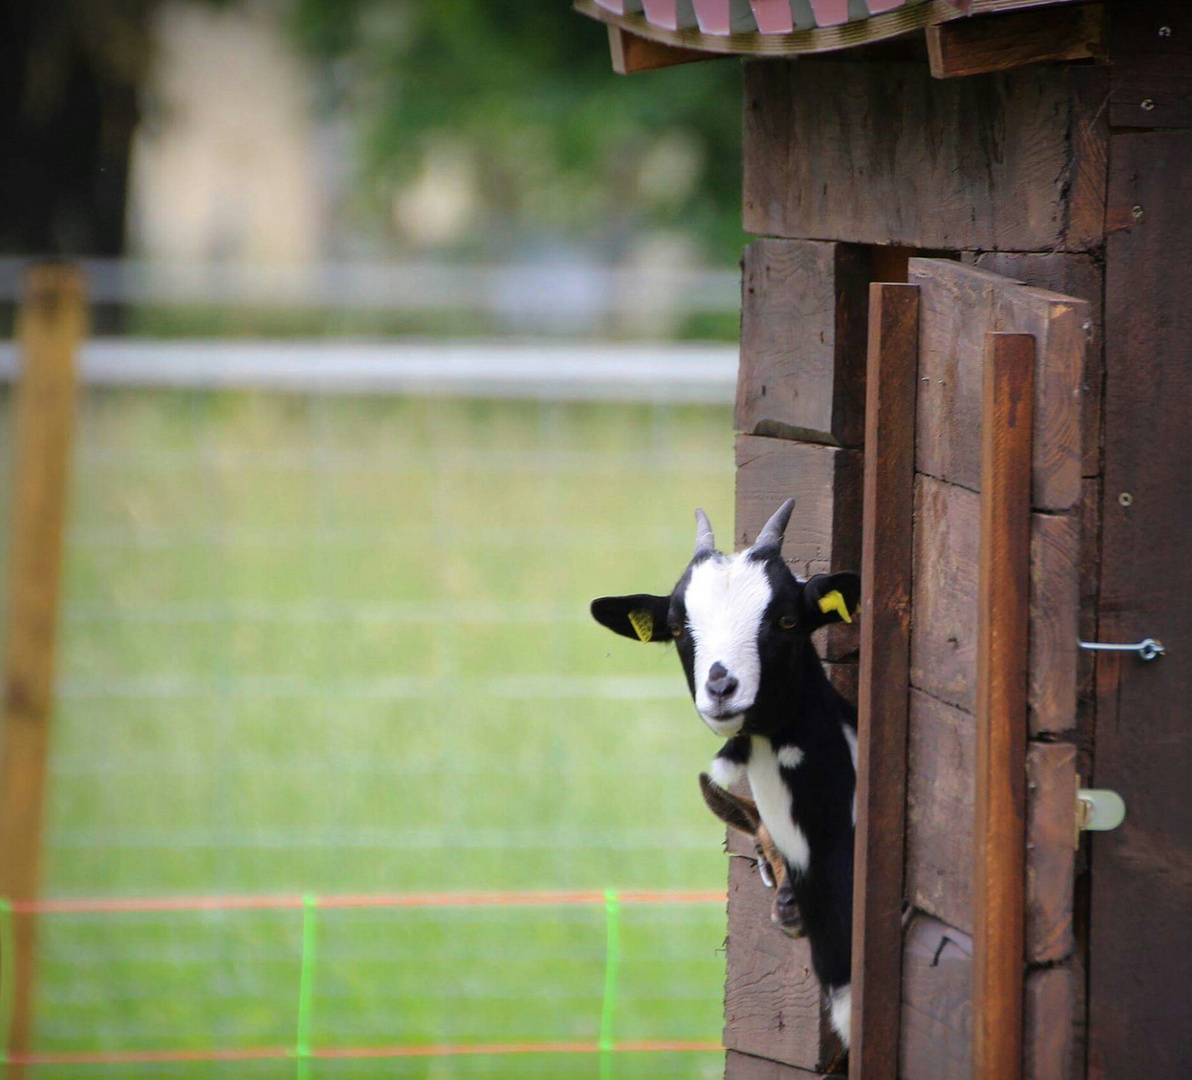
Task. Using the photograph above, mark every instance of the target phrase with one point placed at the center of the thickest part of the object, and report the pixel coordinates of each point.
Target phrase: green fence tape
(8, 976)
(306, 984)
(612, 964)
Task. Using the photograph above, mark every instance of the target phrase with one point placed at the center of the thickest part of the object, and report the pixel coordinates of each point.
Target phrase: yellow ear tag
(834, 601)
(643, 623)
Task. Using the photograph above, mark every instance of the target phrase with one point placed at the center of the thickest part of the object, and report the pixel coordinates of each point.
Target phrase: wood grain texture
(803, 324)
(959, 306)
(937, 1002)
(944, 634)
(1050, 851)
(1141, 926)
(1004, 42)
(888, 516)
(824, 533)
(738, 1066)
(1000, 161)
(630, 54)
(51, 323)
(939, 833)
(773, 1005)
(1002, 653)
(1151, 72)
(1083, 277)
(1048, 1023)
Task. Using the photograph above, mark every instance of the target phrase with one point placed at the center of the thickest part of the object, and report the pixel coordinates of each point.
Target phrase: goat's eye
(787, 622)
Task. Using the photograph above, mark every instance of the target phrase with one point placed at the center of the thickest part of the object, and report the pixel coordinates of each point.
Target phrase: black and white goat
(742, 625)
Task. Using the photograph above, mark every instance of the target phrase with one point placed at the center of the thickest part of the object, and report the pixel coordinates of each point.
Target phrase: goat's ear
(641, 617)
(734, 810)
(831, 598)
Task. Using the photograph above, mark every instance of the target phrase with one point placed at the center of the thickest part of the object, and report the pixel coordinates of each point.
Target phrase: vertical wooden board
(885, 631)
(1151, 74)
(802, 371)
(824, 533)
(1050, 851)
(1048, 1023)
(1083, 277)
(937, 1002)
(1090, 588)
(1141, 926)
(1003, 586)
(773, 1005)
(944, 635)
(960, 305)
(939, 827)
(996, 167)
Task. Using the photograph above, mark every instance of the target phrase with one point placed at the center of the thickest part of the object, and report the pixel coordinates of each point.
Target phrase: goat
(740, 813)
(742, 625)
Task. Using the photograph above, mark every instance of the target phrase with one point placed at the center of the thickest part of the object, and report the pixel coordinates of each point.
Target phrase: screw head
(1147, 104)
(1165, 31)
(1136, 211)
(1125, 498)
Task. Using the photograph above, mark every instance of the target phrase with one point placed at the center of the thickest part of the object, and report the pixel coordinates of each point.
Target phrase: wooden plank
(1048, 1023)
(1050, 851)
(51, 324)
(630, 54)
(1001, 43)
(888, 520)
(823, 534)
(774, 1007)
(1083, 277)
(738, 1066)
(1151, 73)
(960, 304)
(937, 1001)
(803, 325)
(1141, 927)
(1004, 157)
(1003, 628)
(944, 637)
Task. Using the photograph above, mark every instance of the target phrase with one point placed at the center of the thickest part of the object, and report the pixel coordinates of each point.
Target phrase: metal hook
(1147, 648)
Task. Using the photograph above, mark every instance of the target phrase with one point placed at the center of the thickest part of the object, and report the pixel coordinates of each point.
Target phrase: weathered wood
(1083, 277)
(774, 1007)
(1050, 851)
(803, 318)
(630, 54)
(1004, 42)
(1140, 1015)
(1003, 626)
(823, 533)
(937, 1002)
(959, 306)
(1001, 162)
(52, 322)
(1047, 1023)
(888, 519)
(738, 1066)
(1151, 73)
(1090, 592)
(944, 638)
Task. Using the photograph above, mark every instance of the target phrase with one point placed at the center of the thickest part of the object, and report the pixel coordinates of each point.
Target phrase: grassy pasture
(336, 644)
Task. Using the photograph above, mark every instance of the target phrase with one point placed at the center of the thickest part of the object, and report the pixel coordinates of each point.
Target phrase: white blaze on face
(726, 599)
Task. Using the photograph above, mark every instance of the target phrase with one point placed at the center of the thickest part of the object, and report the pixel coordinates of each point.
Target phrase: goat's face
(737, 620)
(740, 813)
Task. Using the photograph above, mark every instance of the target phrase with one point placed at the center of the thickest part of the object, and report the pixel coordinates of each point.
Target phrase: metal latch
(1147, 648)
(1097, 810)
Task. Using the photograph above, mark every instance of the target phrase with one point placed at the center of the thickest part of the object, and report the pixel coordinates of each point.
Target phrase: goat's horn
(705, 542)
(771, 535)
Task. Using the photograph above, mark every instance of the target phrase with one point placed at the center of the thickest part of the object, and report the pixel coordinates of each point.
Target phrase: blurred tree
(480, 121)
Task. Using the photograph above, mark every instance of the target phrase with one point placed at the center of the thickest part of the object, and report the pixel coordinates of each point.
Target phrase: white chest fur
(773, 799)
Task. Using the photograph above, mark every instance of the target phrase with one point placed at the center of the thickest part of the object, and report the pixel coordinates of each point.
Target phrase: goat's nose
(720, 683)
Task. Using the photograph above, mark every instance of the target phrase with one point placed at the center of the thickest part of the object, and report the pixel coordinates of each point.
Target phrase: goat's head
(737, 620)
(740, 813)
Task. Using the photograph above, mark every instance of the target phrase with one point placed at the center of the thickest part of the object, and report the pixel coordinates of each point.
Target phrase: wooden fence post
(1003, 621)
(888, 517)
(51, 324)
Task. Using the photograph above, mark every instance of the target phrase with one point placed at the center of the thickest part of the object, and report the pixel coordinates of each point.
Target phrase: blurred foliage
(519, 99)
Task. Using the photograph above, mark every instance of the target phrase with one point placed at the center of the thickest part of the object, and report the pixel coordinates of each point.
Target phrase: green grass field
(336, 644)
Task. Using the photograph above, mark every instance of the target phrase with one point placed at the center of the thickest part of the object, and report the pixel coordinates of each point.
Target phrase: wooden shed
(966, 348)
